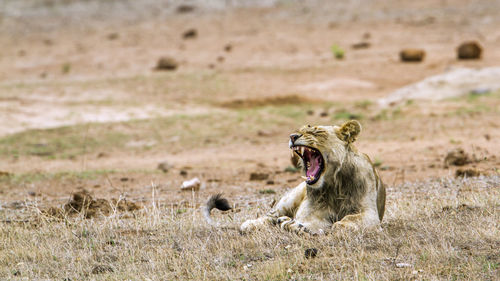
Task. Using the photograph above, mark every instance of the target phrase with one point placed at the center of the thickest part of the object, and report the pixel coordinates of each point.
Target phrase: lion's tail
(215, 201)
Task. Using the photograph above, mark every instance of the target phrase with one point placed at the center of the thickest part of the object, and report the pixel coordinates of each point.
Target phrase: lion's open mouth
(313, 162)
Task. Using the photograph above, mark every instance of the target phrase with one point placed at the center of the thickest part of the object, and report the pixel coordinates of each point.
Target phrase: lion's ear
(349, 131)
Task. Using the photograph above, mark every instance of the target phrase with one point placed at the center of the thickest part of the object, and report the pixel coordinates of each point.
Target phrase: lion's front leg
(362, 220)
(285, 207)
(299, 227)
(307, 220)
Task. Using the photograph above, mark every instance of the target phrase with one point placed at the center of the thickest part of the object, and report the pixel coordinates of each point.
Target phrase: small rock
(258, 176)
(487, 137)
(456, 157)
(367, 35)
(311, 253)
(190, 34)
(323, 114)
(469, 50)
(228, 48)
(469, 173)
(361, 45)
(270, 182)
(183, 9)
(5, 174)
(220, 59)
(192, 184)
(113, 36)
(412, 55)
(480, 91)
(124, 179)
(32, 193)
(310, 112)
(262, 133)
(166, 63)
(164, 166)
(183, 173)
(102, 155)
(403, 265)
(98, 269)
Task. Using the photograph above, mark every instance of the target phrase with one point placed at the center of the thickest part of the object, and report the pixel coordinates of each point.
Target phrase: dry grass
(444, 229)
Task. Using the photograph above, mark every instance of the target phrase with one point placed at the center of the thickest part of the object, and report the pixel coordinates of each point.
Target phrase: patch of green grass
(267, 191)
(337, 51)
(64, 175)
(64, 142)
(364, 104)
(66, 68)
(344, 114)
(378, 162)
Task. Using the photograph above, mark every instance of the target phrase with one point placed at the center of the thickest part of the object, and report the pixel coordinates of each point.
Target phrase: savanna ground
(83, 109)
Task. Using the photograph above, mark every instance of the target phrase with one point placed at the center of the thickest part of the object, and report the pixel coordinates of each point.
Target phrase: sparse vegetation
(439, 237)
(337, 52)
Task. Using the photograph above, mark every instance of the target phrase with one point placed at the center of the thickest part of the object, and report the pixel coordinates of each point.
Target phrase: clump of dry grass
(441, 229)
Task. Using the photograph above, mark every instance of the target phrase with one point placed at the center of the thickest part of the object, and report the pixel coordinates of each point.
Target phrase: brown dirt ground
(273, 61)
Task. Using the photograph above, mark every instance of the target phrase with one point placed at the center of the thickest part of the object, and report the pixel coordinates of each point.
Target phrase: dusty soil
(82, 107)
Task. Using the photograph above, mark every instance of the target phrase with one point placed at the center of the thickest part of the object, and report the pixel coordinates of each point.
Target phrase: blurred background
(112, 96)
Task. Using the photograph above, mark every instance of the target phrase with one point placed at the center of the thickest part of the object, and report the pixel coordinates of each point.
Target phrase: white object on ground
(192, 184)
(451, 84)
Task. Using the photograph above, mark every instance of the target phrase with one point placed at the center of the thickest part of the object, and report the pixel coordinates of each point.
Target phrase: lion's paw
(251, 225)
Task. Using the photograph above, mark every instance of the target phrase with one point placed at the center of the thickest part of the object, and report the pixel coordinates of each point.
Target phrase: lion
(341, 187)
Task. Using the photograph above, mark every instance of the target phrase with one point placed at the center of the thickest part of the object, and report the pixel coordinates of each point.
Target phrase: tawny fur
(348, 194)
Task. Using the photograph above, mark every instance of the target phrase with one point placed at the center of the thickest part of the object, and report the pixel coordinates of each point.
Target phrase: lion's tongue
(314, 168)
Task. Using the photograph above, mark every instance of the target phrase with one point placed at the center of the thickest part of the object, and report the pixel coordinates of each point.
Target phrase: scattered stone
(228, 48)
(323, 114)
(311, 253)
(183, 9)
(469, 50)
(361, 45)
(456, 157)
(124, 179)
(5, 174)
(183, 173)
(469, 173)
(367, 35)
(262, 133)
(164, 166)
(192, 184)
(220, 59)
(403, 265)
(258, 176)
(310, 112)
(480, 91)
(166, 63)
(32, 193)
(113, 36)
(102, 268)
(412, 55)
(102, 155)
(487, 137)
(270, 182)
(190, 33)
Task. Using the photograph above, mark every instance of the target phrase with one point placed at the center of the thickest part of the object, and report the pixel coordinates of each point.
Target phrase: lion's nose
(294, 137)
